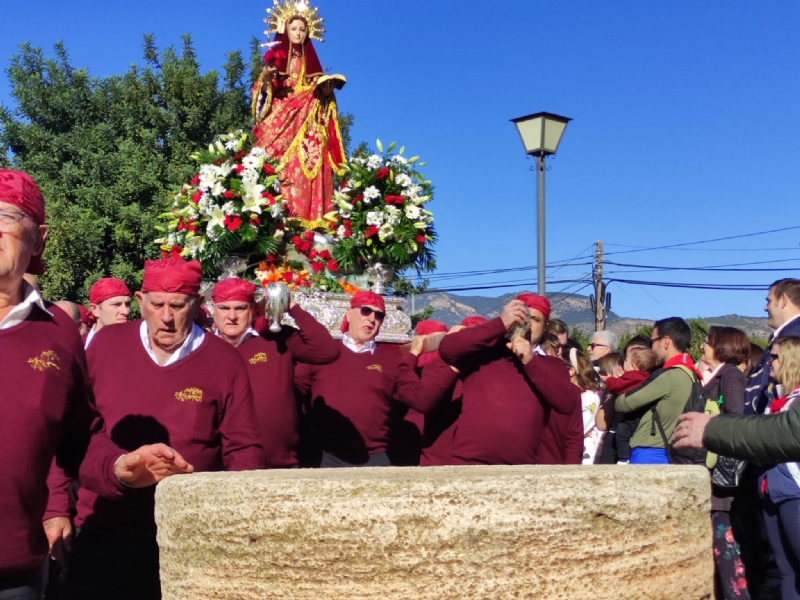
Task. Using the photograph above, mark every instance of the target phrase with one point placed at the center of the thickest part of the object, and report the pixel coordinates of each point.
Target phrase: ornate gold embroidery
(377, 368)
(46, 360)
(261, 357)
(190, 395)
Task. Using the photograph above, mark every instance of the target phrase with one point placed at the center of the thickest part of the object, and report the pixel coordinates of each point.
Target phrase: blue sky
(685, 126)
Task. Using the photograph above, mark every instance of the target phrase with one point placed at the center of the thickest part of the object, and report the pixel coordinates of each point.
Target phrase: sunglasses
(656, 339)
(367, 311)
(593, 346)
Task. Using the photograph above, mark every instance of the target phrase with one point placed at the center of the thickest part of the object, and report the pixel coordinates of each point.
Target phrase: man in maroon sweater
(162, 379)
(41, 353)
(109, 303)
(509, 390)
(270, 358)
(350, 397)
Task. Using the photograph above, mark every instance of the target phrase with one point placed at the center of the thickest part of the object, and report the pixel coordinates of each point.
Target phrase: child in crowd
(584, 376)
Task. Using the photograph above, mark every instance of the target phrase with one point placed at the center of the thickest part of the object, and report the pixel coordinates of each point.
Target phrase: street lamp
(540, 134)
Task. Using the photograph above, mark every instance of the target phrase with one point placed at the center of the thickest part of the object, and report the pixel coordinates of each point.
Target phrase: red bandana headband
(17, 188)
(234, 289)
(107, 287)
(474, 320)
(536, 302)
(172, 275)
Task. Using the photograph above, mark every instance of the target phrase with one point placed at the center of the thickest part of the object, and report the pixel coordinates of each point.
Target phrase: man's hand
(521, 348)
(59, 536)
(514, 313)
(418, 344)
(690, 430)
(269, 72)
(149, 465)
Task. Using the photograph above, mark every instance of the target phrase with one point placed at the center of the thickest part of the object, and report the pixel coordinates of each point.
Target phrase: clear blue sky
(685, 126)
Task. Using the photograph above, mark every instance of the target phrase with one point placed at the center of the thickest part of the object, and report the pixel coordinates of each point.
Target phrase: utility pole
(599, 300)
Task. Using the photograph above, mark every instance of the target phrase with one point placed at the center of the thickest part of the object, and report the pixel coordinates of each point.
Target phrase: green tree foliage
(423, 315)
(626, 337)
(580, 336)
(699, 329)
(108, 153)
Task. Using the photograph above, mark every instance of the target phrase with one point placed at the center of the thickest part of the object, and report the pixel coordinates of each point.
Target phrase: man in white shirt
(109, 303)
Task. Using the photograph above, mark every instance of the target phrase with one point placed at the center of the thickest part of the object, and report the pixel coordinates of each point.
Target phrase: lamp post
(540, 134)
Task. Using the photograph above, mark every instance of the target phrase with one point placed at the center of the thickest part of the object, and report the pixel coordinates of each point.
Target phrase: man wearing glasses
(349, 399)
(667, 391)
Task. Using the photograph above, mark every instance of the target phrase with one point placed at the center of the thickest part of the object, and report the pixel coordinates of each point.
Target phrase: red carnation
(193, 226)
(420, 239)
(395, 200)
(196, 196)
(268, 169)
(288, 276)
(196, 179)
(312, 255)
(174, 252)
(309, 235)
(358, 198)
(255, 220)
(228, 194)
(296, 240)
(307, 246)
(325, 255)
(270, 198)
(371, 230)
(382, 173)
(238, 155)
(333, 265)
(317, 267)
(232, 222)
(238, 168)
(218, 161)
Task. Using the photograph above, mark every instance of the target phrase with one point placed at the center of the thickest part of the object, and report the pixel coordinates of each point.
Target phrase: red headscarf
(172, 275)
(87, 318)
(536, 302)
(233, 289)
(475, 320)
(428, 327)
(19, 189)
(107, 287)
(279, 55)
(363, 299)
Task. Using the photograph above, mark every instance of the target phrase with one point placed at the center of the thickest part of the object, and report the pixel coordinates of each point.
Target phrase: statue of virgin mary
(294, 110)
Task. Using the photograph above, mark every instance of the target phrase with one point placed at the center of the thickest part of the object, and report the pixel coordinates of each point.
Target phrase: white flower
(278, 235)
(370, 194)
(392, 215)
(195, 245)
(412, 211)
(403, 179)
(217, 218)
(249, 177)
(374, 218)
(252, 162)
(373, 162)
(228, 208)
(399, 159)
(217, 189)
(276, 211)
(223, 170)
(385, 231)
(258, 152)
(230, 145)
(340, 231)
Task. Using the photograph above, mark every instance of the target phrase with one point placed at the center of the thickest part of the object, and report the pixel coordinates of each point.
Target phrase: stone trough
(437, 534)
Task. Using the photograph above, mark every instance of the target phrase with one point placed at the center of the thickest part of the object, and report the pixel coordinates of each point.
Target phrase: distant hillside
(574, 310)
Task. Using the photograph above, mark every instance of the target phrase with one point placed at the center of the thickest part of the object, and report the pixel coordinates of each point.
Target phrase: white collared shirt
(350, 344)
(89, 337)
(245, 336)
(30, 298)
(190, 344)
(777, 332)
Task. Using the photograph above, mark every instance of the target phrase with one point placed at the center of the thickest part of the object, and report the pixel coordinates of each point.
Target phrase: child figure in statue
(296, 121)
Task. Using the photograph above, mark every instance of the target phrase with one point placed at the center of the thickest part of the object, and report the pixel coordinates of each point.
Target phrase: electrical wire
(695, 286)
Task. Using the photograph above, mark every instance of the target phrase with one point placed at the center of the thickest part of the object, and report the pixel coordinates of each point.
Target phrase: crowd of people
(105, 407)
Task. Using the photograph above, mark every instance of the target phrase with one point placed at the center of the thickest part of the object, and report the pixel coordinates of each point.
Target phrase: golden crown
(280, 13)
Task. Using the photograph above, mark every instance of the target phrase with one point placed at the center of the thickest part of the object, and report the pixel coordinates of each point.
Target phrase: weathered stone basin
(437, 533)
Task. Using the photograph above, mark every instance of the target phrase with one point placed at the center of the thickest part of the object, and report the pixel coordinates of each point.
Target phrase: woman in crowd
(724, 349)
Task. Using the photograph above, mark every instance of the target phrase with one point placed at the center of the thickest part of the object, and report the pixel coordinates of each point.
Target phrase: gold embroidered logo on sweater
(261, 357)
(46, 360)
(377, 368)
(190, 395)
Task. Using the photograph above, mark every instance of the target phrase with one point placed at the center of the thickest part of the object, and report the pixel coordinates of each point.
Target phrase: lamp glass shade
(541, 132)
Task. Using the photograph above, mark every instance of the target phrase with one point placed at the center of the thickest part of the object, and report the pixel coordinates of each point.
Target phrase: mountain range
(575, 310)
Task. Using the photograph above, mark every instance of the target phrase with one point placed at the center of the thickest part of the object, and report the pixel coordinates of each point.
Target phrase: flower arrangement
(232, 205)
(380, 213)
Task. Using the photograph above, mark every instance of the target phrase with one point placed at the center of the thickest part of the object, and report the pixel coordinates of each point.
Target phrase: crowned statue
(294, 111)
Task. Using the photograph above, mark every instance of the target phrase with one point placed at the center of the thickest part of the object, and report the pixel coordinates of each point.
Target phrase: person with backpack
(665, 393)
(724, 349)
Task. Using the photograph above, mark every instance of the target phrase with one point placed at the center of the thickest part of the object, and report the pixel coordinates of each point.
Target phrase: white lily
(217, 218)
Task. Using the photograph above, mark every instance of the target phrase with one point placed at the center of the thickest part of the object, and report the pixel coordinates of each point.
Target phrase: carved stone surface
(437, 534)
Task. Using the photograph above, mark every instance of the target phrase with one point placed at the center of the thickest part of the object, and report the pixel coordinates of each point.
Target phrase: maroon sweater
(505, 404)
(46, 411)
(350, 399)
(200, 405)
(562, 439)
(270, 361)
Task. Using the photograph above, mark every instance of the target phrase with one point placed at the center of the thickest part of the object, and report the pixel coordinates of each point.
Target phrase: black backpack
(696, 403)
